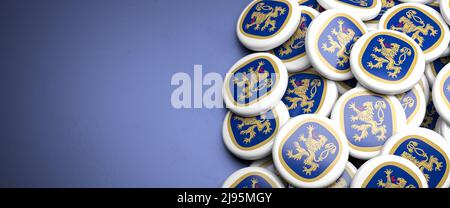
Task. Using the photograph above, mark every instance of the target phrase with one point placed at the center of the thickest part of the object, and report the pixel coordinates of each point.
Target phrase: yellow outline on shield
(374, 4)
(240, 179)
(401, 166)
(409, 119)
(325, 86)
(442, 88)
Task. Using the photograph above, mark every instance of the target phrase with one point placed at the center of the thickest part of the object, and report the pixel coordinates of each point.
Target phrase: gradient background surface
(85, 92)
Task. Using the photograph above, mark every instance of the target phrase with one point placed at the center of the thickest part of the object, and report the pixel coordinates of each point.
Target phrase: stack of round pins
(338, 83)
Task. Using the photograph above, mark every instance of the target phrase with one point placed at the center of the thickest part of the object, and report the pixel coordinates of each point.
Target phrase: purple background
(85, 92)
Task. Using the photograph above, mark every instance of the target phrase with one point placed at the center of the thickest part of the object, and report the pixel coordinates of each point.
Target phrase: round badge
(445, 10)
(309, 93)
(431, 116)
(389, 171)
(433, 68)
(251, 138)
(255, 84)
(330, 38)
(365, 9)
(414, 105)
(293, 52)
(346, 85)
(427, 150)
(417, 1)
(346, 178)
(266, 24)
(310, 151)
(423, 24)
(423, 83)
(310, 3)
(253, 177)
(387, 62)
(443, 129)
(385, 5)
(368, 120)
(441, 93)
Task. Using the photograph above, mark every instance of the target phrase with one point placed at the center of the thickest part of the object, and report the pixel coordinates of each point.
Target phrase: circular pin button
(389, 171)
(431, 116)
(293, 52)
(441, 93)
(253, 177)
(251, 138)
(346, 85)
(366, 10)
(417, 1)
(305, 137)
(423, 83)
(368, 120)
(387, 62)
(443, 129)
(324, 39)
(433, 68)
(428, 150)
(445, 10)
(385, 5)
(414, 105)
(255, 84)
(423, 24)
(346, 178)
(309, 93)
(266, 24)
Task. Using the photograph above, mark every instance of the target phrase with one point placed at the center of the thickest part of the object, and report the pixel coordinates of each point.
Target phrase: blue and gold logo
(410, 103)
(418, 24)
(249, 133)
(359, 3)
(428, 157)
(438, 64)
(294, 48)
(310, 151)
(388, 58)
(265, 18)
(253, 80)
(446, 89)
(253, 180)
(392, 175)
(431, 116)
(310, 3)
(344, 181)
(368, 120)
(385, 5)
(305, 93)
(335, 41)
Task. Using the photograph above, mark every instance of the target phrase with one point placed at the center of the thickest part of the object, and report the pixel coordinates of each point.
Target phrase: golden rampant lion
(263, 15)
(254, 183)
(252, 123)
(300, 94)
(299, 37)
(407, 26)
(313, 144)
(253, 81)
(343, 39)
(366, 115)
(398, 183)
(389, 57)
(427, 163)
(387, 4)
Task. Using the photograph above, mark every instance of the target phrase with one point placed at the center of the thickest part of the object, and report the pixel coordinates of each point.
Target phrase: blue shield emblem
(305, 93)
(428, 157)
(388, 58)
(294, 48)
(265, 18)
(385, 5)
(392, 176)
(409, 101)
(431, 116)
(310, 151)
(252, 81)
(310, 3)
(344, 181)
(359, 3)
(446, 91)
(368, 120)
(333, 50)
(249, 133)
(438, 64)
(253, 181)
(427, 31)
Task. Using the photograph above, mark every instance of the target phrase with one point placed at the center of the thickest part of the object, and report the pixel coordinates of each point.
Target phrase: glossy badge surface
(310, 151)
(266, 24)
(441, 93)
(330, 38)
(368, 120)
(414, 104)
(433, 68)
(389, 171)
(387, 62)
(364, 9)
(423, 24)
(253, 177)
(255, 84)
(427, 150)
(445, 10)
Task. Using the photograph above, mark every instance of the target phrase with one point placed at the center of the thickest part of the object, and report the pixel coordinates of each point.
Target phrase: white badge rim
(439, 49)
(312, 46)
(445, 12)
(266, 44)
(327, 179)
(264, 104)
(424, 85)
(417, 119)
(432, 137)
(380, 86)
(337, 114)
(241, 172)
(443, 129)
(262, 151)
(365, 169)
(438, 101)
(364, 14)
(417, 1)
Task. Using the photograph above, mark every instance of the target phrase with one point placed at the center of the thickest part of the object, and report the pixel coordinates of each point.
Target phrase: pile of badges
(336, 82)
